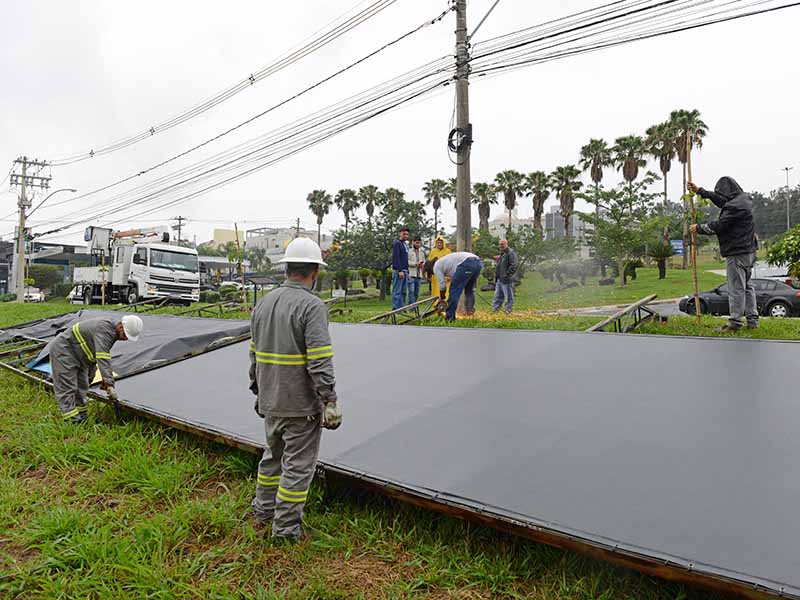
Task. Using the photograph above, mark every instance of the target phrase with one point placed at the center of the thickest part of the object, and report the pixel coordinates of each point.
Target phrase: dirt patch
(38, 474)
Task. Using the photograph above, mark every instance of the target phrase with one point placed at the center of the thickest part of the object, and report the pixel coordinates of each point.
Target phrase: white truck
(140, 264)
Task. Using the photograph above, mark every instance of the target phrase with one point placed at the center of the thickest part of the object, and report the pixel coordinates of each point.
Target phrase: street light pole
(38, 206)
(788, 223)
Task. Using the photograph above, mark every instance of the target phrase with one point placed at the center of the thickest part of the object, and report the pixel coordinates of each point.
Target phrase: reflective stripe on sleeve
(76, 331)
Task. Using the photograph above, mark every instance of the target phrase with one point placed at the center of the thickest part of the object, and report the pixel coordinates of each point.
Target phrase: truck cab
(159, 271)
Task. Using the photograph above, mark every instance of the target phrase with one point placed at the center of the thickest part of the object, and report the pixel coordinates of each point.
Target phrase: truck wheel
(87, 296)
(133, 296)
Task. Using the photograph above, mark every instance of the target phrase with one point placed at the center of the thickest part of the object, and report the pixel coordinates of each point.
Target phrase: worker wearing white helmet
(78, 351)
(291, 373)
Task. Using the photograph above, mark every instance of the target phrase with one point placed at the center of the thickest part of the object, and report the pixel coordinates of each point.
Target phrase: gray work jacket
(291, 356)
(91, 342)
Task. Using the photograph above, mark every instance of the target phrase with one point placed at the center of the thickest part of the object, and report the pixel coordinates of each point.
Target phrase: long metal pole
(20, 269)
(698, 308)
(788, 220)
(463, 184)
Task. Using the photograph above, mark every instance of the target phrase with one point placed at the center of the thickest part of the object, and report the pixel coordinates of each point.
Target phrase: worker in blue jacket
(400, 269)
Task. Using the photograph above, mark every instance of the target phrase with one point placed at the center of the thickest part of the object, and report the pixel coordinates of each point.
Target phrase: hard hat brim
(299, 261)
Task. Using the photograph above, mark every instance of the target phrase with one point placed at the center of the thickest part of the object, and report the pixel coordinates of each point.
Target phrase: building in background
(499, 227)
(554, 229)
(275, 239)
(222, 237)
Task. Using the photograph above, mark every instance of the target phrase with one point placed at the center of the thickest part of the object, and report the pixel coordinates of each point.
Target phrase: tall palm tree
(510, 184)
(690, 131)
(537, 187)
(319, 202)
(348, 202)
(629, 152)
(564, 181)
(368, 196)
(661, 144)
(435, 191)
(484, 195)
(596, 156)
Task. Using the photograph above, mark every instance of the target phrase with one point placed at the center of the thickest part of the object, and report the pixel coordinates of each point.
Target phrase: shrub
(210, 296)
(8, 297)
(62, 290)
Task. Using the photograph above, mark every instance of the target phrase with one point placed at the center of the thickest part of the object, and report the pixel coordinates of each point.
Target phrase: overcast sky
(79, 74)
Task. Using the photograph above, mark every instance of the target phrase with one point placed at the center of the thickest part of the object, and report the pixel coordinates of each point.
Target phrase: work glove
(332, 416)
(112, 393)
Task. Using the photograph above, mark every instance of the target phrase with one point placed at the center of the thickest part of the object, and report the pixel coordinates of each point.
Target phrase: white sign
(337, 294)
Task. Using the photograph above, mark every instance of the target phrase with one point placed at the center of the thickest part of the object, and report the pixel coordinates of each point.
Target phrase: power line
(280, 104)
(279, 64)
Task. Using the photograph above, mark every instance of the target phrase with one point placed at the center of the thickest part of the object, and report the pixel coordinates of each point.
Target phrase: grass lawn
(769, 328)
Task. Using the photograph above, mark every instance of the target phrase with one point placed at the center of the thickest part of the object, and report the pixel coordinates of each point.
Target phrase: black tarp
(164, 338)
(685, 451)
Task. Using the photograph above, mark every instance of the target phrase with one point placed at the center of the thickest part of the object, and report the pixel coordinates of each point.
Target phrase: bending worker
(463, 270)
(439, 250)
(291, 373)
(77, 351)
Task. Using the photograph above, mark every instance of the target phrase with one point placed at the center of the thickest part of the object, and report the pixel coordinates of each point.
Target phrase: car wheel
(87, 296)
(690, 307)
(779, 310)
(133, 296)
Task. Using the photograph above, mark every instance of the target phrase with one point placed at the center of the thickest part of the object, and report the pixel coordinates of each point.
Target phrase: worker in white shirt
(462, 269)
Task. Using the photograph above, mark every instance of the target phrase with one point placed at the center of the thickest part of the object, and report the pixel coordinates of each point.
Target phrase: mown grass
(769, 328)
(135, 510)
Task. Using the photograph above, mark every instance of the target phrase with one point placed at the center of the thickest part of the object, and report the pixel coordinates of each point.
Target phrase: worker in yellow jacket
(439, 250)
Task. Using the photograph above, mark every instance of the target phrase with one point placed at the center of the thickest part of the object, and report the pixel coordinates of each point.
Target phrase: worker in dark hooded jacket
(735, 230)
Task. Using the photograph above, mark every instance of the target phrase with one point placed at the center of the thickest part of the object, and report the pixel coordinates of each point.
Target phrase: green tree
(596, 156)
(45, 277)
(392, 196)
(629, 152)
(661, 143)
(537, 187)
(435, 191)
(511, 184)
(348, 202)
(690, 130)
(319, 203)
(786, 251)
(484, 195)
(259, 261)
(625, 222)
(369, 197)
(564, 181)
(209, 250)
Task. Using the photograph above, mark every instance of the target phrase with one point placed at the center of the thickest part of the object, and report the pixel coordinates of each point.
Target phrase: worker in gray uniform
(78, 351)
(291, 373)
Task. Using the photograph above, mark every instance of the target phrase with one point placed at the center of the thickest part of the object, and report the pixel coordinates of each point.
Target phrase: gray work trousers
(285, 472)
(741, 293)
(70, 379)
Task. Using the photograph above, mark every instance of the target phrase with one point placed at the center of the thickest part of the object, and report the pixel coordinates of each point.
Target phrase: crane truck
(135, 265)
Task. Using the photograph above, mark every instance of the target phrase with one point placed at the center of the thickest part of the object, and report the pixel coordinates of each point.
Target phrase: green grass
(769, 328)
(135, 510)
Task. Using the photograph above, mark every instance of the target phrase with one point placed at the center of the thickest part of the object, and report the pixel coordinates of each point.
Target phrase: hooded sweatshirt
(735, 227)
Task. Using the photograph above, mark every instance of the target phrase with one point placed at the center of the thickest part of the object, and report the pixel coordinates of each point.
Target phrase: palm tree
(392, 195)
(368, 196)
(596, 156)
(435, 191)
(661, 143)
(510, 184)
(565, 183)
(690, 131)
(484, 195)
(319, 202)
(629, 152)
(348, 202)
(537, 187)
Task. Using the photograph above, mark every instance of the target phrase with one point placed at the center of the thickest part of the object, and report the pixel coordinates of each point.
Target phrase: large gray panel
(683, 449)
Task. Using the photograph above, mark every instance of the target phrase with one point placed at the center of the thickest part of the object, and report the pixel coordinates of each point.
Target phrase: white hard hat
(303, 250)
(132, 325)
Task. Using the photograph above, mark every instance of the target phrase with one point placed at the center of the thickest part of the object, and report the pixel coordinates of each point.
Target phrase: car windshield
(178, 261)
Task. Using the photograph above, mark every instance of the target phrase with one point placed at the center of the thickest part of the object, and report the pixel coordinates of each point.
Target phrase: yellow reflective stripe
(272, 361)
(83, 408)
(318, 356)
(73, 413)
(106, 355)
(269, 481)
(82, 342)
(278, 355)
(283, 490)
(320, 349)
(288, 496)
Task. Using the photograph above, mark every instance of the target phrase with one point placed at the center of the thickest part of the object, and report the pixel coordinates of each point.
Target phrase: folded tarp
(164, 338)
(683, 451)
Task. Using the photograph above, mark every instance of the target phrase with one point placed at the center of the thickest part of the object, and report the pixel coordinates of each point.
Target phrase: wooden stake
(239, 261)
(698, 308)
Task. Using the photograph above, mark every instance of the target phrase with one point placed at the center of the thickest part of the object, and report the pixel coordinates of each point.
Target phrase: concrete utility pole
(181, 220)
(24, 181)
(461, 138)
(788, 223)
(297, 229)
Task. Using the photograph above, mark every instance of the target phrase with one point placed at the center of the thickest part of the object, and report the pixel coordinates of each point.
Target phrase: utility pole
(788, 222)
(181, 220)
(461, 138)
(297, 229)
(24, 181)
